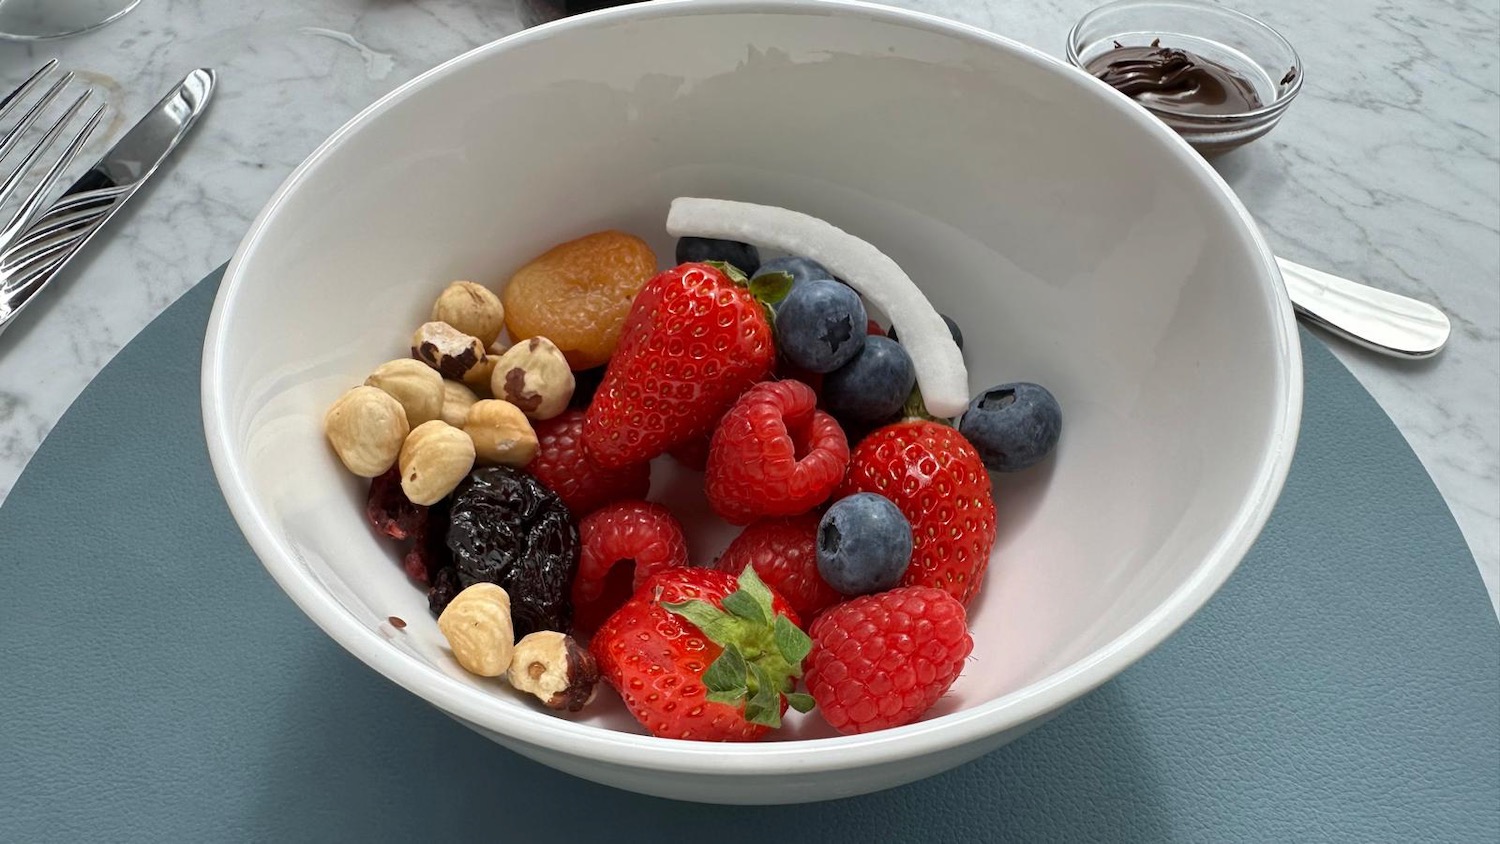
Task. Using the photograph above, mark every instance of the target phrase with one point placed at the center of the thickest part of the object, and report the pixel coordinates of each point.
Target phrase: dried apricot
(578, 293)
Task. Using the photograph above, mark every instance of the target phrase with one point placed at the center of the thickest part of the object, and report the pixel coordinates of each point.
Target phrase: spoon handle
(1385, 322)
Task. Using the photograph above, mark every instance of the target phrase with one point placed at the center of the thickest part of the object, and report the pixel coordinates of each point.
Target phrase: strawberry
(563, 466)
(621, 546)
(939, 483)
(784, 553)
(698, 654)
(880, 661)
(774, 454)
(694, 341)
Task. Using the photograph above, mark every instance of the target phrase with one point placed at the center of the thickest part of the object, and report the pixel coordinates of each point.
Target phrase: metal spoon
(1376, 319)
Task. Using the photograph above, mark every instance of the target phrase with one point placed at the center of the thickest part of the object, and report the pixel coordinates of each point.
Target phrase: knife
(35, 257)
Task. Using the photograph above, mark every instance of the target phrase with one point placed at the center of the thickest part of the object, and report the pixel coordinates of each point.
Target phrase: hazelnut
(478, 378)
(446, 349)
(555, 668)
(366, 427)
(476, 624)
(502, 435)
(434, 458)
(534, 376)
(417, 387)
(457, 399)
(472, 309)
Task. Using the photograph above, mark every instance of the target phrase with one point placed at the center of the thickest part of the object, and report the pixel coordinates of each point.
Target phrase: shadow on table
(362, 760)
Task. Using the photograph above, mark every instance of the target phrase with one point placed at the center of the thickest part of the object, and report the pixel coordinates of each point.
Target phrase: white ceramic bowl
(1079, 242)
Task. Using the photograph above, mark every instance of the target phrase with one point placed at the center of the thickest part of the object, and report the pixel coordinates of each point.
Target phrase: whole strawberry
(784, 553)
(642, 537)
(698, 654)
(881, 661)
(939, 483)
(562, 465)
(774, 454)
(694, 341)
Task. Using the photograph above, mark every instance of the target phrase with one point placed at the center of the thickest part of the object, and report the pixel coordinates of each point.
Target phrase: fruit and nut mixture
(511, 456)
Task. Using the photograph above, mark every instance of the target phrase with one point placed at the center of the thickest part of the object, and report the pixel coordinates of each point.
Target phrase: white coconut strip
(940, 365)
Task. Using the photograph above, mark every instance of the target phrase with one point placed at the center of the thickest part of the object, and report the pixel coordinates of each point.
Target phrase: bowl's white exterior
(1079, 243)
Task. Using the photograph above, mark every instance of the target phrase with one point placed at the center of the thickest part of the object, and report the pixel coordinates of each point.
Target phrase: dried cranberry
(389, 510)
(429, 550)
(507, 528)
(444, 587)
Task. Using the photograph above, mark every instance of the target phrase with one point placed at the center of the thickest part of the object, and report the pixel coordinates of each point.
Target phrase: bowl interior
(1078, 245)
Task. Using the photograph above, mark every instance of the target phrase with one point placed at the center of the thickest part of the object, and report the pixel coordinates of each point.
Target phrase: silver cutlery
(35, 247)
(1376, 319)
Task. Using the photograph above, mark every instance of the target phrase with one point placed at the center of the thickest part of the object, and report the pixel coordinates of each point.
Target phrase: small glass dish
(1238, 42)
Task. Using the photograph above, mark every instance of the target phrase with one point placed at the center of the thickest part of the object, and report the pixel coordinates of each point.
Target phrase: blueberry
(800, 269)
(958, 334)
(820, 325)
(864, 544)
(874, 385)
(1012, 426)
(742, 256)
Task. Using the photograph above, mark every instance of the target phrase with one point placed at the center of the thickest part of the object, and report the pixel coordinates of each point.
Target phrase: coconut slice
(940, 365)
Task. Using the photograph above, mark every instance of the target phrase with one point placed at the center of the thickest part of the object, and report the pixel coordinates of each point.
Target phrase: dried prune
(445, 586)
(389, 510)
(429, 550)
(506, 528)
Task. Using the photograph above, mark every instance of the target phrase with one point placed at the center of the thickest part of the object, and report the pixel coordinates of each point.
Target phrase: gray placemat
(157, 686)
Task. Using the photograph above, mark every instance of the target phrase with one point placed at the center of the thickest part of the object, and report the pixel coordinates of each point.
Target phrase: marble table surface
(1387, 169)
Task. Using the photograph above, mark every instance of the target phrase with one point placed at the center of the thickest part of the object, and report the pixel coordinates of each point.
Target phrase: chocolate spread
(1177, 79)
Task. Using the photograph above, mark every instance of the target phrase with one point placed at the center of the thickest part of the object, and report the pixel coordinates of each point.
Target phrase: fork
(14, 278)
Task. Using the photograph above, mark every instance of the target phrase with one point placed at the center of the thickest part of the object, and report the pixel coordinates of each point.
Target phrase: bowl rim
(541, 730)
(1283, 98)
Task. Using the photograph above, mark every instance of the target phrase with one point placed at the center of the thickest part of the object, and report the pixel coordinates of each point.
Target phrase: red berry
(388, 509)
(623, 545)
(872, 328)
(939, 483)
(657, 651)
(882, 660)
(694, 341)
(784, 552)
(693, 453)
(563, 466)
(788, 371)
(774, 454)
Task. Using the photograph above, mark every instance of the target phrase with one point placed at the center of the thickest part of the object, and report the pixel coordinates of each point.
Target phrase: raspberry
(774, 454)
(873, 328)
(881, 661)
(785, 555)
(693, 453)
(563, 466)
(623, 545)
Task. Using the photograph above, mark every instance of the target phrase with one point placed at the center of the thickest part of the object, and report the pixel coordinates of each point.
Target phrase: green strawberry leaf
(740, 604)
(763, 707)
(730, 698)
(771, 288)
(720, 627)
(756, 589)
(728, 673)
(735, 274)
(916, 408)
(801, 701)
(793, 644)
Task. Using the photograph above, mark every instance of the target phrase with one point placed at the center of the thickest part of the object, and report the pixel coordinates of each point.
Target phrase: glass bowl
(1244, 45)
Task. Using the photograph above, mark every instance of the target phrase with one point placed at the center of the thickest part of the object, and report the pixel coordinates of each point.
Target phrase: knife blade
(36, 255)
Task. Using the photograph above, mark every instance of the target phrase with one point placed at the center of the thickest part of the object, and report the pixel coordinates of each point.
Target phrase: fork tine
(32, 203)
(14, 135)
(53, 131)
(14, 97)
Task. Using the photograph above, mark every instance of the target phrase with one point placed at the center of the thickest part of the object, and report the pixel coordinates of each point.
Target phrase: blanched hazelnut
(434, 458)
(366, 427)
(472, 309)
(418, 387)
(444, 348)
(556, 669)
(502, 434)
(457, 399)
(477, 625)
(534, 376)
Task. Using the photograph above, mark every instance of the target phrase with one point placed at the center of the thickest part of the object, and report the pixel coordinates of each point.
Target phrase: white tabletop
(1386, 170)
